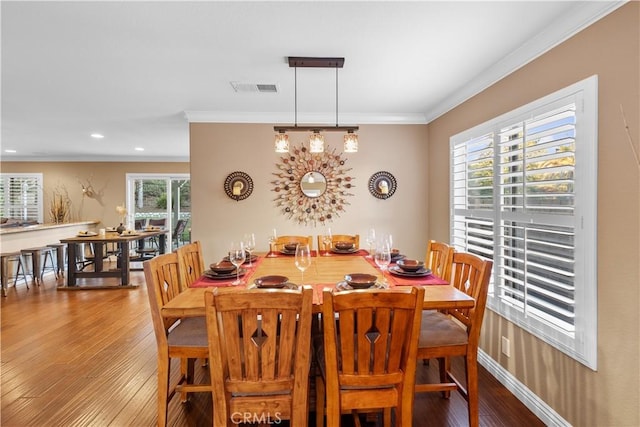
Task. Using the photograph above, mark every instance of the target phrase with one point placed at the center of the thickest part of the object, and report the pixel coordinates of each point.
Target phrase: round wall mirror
(313, 184)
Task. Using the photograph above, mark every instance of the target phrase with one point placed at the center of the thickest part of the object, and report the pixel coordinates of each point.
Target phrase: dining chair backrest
(336, 238)
(368, 360)
(456, 332)
(191, 262)
(178, 230)
(184, 339)
(157, 222)
(471, 274)
(438, 259)
(281, 241)
(259, 342)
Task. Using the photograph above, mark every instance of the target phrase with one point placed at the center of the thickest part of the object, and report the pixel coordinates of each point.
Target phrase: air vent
(255, 87)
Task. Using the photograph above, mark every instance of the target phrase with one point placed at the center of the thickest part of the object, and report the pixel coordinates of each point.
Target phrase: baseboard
(520, 391)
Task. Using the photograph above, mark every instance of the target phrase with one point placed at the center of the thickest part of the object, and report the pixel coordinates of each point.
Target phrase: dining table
(325, 272)
(99, 242)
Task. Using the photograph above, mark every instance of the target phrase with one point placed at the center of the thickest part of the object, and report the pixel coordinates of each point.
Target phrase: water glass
(382, 258)
(237, 257)
(249, 244)
(303, 259)
(327, 240)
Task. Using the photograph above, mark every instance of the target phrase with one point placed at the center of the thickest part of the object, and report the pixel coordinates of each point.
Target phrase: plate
(271, 282)
(126, 234)
(400, 272)
(397, 257)
(344, 286)
(344, 251)
(220, 276)
(253, 259)
(87, 234)
(286, 252)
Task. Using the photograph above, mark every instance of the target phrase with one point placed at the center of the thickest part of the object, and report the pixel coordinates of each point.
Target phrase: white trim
(554, 35)
(325, 119)
(528, 398)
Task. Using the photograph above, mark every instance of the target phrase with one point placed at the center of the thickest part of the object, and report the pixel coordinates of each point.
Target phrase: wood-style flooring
(88, 358)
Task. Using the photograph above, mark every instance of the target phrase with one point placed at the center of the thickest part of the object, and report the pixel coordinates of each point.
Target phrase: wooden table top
(112, 236)
(325, 272)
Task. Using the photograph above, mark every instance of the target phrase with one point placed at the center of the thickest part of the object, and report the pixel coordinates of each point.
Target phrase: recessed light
(139, 149)
(97, 136)
(10, 151)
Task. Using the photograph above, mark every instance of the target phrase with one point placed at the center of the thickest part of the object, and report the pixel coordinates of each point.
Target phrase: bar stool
(5, 259)
(39, 258)
(60, 258)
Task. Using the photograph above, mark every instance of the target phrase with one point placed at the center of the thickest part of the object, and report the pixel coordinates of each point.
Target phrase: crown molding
(572, 23)
(324, 119)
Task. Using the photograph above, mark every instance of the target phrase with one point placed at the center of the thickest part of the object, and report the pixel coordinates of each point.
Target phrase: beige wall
(219, 149)
(610, 48)
(107, 178)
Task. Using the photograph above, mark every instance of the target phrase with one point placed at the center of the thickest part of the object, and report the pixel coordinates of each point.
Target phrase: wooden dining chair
(278, 245)
(185, 339)
(335, 238)
(438, 258)
(191, 262)
(367, 360)
(457, 332)
(259, 341)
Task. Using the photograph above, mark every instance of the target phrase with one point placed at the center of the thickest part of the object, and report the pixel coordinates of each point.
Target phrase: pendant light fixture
(316, 139)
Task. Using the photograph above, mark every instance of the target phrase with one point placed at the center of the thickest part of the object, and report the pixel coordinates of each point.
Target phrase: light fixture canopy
(316, 140)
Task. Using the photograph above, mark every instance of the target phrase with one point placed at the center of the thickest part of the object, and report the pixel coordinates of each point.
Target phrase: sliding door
(162, 200)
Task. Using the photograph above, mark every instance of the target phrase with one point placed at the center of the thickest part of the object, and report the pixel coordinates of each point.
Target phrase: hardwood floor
(88, 358)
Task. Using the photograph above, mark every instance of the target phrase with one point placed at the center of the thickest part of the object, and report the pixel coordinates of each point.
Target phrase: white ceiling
(137, 72)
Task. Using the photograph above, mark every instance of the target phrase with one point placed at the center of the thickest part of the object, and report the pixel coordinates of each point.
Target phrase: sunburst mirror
(312, 188)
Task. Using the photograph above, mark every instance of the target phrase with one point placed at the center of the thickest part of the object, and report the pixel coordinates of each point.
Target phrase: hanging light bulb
(351, 143)
(316, 143)
(282, 143)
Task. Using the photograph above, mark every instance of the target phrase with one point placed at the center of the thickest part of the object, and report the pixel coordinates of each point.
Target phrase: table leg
(71, 264)
(98, 254)
(124, 263)
(162, 239)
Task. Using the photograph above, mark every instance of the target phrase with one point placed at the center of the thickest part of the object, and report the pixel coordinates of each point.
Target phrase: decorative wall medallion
(312, 188)
(238, 185)
(382, 185)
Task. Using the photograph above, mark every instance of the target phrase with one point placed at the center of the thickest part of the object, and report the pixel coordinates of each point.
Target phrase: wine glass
(327, 240)
(237, 257)
(273, 237)
(371, 240)
(303, 259)
(383, 258)
(249, 244)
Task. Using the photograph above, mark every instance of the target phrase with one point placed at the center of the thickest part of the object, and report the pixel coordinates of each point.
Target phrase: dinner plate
(221, 276)
(286, 252)
(344, 286)
(129, 234)
(87, 234)
(253, 259)
(400, 272)
(344, 251)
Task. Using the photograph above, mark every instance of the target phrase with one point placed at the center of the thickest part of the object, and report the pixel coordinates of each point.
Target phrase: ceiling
(138, 72)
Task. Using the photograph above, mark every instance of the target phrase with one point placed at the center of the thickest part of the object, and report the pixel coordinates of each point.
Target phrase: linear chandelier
(316, 139)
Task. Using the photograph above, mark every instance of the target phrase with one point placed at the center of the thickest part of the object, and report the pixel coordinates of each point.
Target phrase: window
(21, 196)
(523, 193)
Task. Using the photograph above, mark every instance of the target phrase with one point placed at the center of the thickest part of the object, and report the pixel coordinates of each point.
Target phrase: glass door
(162, 200)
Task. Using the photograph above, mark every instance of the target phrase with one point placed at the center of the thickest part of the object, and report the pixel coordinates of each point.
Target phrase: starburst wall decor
(312, 188)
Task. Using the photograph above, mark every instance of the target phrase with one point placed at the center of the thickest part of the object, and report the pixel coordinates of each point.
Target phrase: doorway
(162, 200)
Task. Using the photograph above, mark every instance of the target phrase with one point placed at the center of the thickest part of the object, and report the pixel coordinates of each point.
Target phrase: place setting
(409, 268)
(272, 282)
(360, 281)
